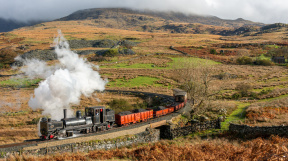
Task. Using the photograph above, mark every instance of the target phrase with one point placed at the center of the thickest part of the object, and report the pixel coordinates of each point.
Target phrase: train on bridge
(100, 118)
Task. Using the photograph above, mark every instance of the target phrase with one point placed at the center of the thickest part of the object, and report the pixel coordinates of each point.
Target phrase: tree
(196, 78)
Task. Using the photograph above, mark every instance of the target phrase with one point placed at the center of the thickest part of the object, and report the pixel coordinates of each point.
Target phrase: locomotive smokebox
(78, 114)
(65, 113)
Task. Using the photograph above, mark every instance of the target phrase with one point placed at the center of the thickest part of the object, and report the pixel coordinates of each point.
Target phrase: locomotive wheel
(42, 138)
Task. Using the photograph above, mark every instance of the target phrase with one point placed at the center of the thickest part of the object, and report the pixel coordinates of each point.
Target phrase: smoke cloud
(268, 11)
(65, 83)
(34, 68)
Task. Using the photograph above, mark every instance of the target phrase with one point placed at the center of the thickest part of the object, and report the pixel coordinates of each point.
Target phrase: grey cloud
(267, 11)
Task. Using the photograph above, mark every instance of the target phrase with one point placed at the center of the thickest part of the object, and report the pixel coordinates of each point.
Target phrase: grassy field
(20, 83)
(175, 62)
(135, 82)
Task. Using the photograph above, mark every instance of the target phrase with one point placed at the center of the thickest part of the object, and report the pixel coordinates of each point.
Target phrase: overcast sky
(266, 11)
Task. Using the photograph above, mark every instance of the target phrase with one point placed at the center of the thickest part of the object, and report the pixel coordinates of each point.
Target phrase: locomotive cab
(100, 114)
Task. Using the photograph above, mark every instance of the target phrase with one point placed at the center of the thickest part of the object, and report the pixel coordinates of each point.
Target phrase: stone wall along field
(246, 131)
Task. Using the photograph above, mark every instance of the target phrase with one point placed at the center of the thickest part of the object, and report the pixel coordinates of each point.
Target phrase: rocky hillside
(131, 17)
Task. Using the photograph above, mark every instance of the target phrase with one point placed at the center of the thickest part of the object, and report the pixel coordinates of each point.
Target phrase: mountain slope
(129, 15)
(8, 24)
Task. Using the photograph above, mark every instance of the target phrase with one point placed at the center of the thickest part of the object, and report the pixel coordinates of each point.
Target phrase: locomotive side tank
(77, 121)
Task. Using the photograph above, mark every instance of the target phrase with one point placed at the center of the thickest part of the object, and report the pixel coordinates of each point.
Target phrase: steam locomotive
(96, 119)
(100, 118)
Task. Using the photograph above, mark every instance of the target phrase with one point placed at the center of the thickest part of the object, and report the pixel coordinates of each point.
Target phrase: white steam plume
(65, 86)
(34, 68)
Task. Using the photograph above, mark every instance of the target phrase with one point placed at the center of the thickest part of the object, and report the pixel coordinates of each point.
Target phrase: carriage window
(91, 112)
(97, 112)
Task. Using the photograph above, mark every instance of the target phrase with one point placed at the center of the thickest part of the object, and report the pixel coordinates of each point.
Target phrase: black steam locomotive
(95, 119)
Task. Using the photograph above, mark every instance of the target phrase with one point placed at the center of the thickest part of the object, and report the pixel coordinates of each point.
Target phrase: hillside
(128, 17)
(150, 21)
(8, 24)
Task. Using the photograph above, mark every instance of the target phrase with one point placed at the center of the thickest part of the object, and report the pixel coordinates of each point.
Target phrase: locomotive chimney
(65, 113)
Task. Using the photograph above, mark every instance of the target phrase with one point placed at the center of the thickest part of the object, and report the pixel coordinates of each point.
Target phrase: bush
(243, 89)
(96, 58)
(244, 60)
(236, 96)
(264, 62)
(213, 51)
(119, 105)
(34, 121)
(265, 91)
(7, 57)
(111, 53)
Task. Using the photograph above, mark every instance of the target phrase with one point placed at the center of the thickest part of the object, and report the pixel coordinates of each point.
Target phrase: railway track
(166, 98)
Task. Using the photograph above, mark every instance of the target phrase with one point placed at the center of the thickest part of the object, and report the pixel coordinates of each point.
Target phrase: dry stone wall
(170, 132)
(150, 135)
(246, 131)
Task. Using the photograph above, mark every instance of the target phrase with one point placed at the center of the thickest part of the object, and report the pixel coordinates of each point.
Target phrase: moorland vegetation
(228, 76)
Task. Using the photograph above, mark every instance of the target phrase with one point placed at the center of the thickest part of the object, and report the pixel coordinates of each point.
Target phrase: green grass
(205, 133)
(136, 82)
(263, 57)
(265, 88)
(133, 66)
(180, 62)
(272, 46)
(17, 113)
(272, 99)
(176, 62)
(237, 115)
(20, 83)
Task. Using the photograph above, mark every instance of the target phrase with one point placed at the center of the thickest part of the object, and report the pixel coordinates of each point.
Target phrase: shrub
(265, 91)
(264, 62)
(34, 121)
(243, 89)
(236, 96)
(254, 95)
(7, 57)
(98, 58)
(119, 105)
(111, 53)
(141, 105)
(244, 60)
(213, 51)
